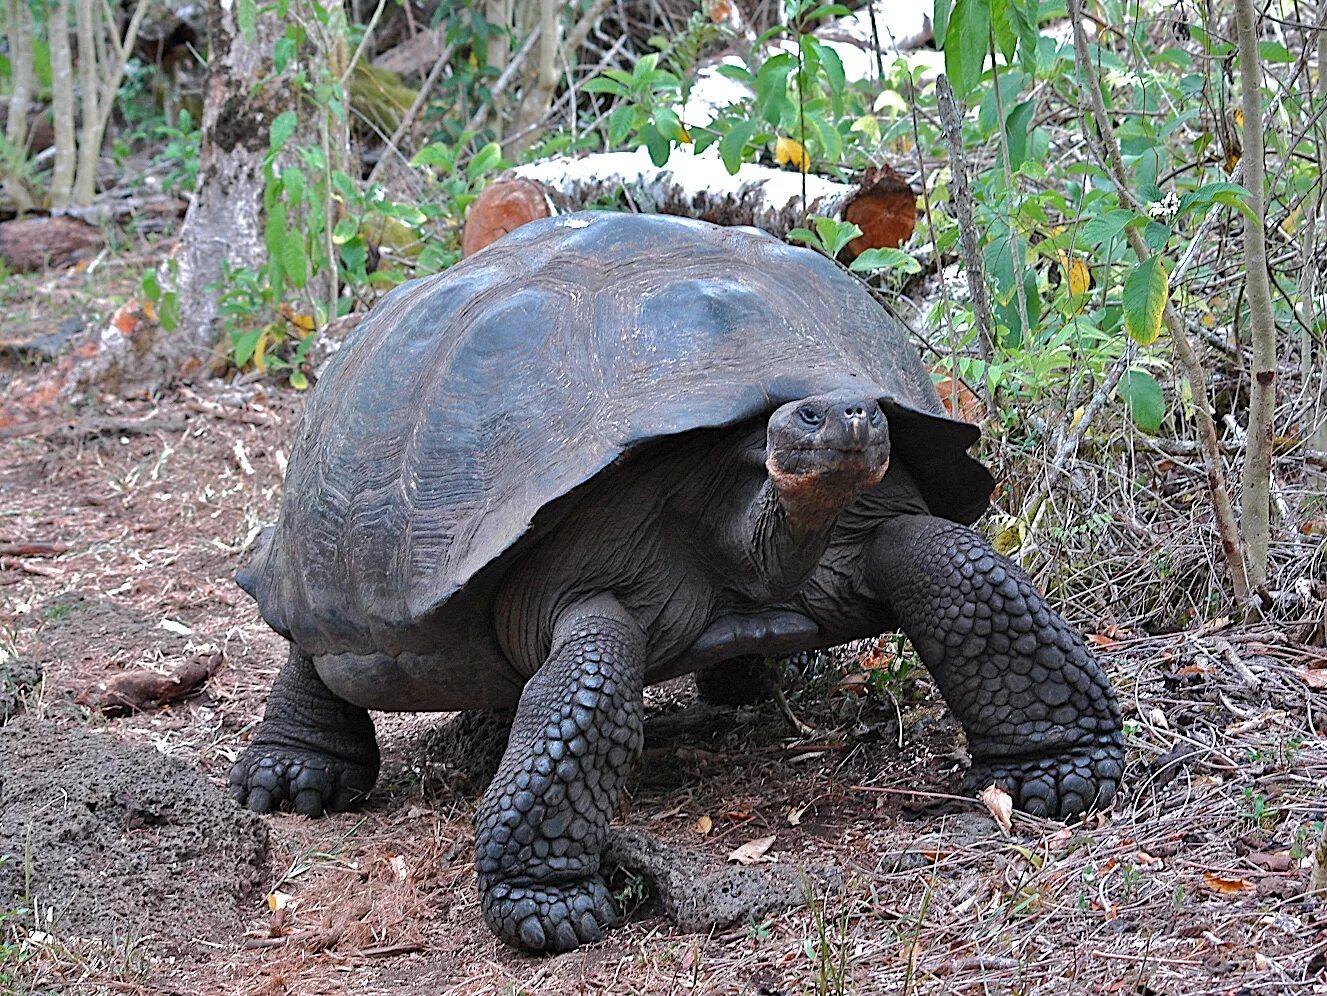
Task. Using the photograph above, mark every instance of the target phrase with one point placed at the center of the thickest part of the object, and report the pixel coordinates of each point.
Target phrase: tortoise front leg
(1039, 713)
(543, 823)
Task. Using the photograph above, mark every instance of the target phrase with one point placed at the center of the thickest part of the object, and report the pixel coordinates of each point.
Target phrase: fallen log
(136, 691)
(880, 203)
(35, 243)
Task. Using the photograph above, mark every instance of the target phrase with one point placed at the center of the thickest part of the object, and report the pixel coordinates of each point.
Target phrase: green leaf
(435, 154)
(885, 259)
(1146, 291)
(772, 87)
(940, 21)
(298, 381)
(294, 259)
(655, 144)
(1018, 128)
(620, 123)
(282, 52)
(487, 158)
(1144, 398)
(149, 286)
(246, 16)
(168, 311)
(834, 234)
(293, 184)
(668, 124)
(1004, 27)
(734, 143)
(1106, 227)
(601, 85)
(344, 231)
(283, 126)
(966, 44)
(831, 64)
(804, 236)
(355, 256)
(245, 343)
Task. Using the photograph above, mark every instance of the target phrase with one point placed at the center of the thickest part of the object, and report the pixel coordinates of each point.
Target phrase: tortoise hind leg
(543, 824)
(1039, 713)
(313, 752)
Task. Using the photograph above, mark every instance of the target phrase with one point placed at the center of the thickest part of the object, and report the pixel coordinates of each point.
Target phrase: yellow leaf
(1080, 277)
(259, 349)
(301, 321)
(1079, 412)
(703, 825)
(789, 150)
(685, 137)
(277, 901)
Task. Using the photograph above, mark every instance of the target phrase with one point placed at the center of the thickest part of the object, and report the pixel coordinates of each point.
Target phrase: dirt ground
(128, 870)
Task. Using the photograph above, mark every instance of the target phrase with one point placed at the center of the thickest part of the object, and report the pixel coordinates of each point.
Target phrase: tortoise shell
(463, 411)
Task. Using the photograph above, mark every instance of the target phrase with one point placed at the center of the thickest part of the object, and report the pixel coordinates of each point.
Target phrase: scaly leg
(543, 823)
(1040, 716)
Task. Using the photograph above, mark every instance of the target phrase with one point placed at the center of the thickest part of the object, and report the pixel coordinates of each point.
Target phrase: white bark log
(693, 186)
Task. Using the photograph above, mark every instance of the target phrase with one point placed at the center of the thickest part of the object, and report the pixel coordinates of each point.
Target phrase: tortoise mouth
(830, 458)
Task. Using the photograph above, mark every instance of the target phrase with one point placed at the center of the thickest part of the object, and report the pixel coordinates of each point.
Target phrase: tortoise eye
(810, 416)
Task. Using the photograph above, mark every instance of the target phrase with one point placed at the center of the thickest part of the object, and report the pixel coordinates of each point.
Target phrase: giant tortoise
(608, 450)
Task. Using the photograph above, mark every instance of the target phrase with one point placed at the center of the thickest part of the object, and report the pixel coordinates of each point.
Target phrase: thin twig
(1107, 147)
(951, 122)
(421, 98)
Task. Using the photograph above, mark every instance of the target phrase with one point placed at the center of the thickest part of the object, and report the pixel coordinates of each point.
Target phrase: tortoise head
(824, 452)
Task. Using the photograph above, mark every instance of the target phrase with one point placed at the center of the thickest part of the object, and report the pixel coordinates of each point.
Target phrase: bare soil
(121, 530)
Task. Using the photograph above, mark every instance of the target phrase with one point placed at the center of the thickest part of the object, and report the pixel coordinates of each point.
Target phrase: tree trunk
(224, 220)
(89, 85)
(19, 19)
(691, 186)
(62, 106)
(1257, 510)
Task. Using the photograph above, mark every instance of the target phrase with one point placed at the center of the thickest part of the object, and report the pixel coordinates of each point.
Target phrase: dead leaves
(1224, 885)
(1000, 805)
(753, 851)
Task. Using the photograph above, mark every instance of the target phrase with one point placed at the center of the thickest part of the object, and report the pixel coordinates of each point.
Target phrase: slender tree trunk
(1257, 511)
(224, 220)
(89, 86)
(498, 13)
(62, 106)
(19, 20)
(1109, 151)
(537, 97)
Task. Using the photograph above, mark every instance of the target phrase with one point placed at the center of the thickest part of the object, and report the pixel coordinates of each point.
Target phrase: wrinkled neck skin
(774, 533)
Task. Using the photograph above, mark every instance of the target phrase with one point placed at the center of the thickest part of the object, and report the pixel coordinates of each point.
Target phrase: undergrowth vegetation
(1093, 421)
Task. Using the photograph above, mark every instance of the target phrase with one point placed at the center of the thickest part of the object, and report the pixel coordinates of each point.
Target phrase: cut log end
(885, 211)
(501, 208)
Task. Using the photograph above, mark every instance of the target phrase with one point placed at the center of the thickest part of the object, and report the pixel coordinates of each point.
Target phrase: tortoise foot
(270, 777)
(549, 918)
(1061, 786)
